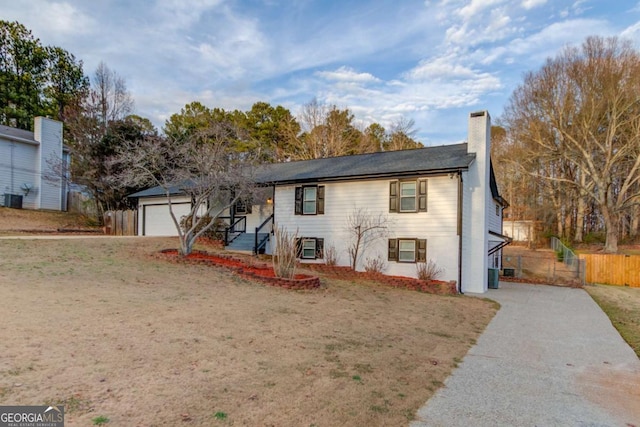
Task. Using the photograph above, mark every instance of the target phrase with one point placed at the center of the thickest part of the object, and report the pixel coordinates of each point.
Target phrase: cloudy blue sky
(433, 61)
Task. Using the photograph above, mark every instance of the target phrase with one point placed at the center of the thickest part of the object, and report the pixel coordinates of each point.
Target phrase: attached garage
(156, 219)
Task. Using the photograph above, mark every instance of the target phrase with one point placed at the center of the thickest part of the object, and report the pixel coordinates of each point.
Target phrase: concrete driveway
(550, 357)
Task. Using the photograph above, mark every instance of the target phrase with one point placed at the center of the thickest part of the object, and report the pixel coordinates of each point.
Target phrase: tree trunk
(186, 244)
(611, 230)
(559, 222)
(581, 208)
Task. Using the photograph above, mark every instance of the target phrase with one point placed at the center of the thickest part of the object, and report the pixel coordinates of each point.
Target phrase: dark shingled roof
(17, 133)
(156, 192)
(421, 161)
(390, 163)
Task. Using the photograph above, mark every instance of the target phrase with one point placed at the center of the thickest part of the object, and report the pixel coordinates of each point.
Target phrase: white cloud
(440, 69)
(55, 20)
(475, 7)
(347, 74)
(183, 13)
(487, 27)
(555, 36)
(530, 4)
(632, 32)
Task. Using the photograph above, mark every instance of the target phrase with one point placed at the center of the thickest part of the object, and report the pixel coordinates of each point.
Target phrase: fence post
(519, 266)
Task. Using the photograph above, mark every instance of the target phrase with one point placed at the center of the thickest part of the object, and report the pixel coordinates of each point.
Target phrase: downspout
(460, 206)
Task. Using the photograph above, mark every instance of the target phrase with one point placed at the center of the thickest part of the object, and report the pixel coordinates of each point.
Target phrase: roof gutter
(430, 172)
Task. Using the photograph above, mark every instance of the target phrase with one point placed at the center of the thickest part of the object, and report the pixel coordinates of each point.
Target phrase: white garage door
(157, 219)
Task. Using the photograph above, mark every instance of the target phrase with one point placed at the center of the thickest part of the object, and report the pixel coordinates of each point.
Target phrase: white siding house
(25, 165)
(438, 203)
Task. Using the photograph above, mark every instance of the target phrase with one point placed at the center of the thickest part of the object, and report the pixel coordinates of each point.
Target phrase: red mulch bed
(256, 271)
(264, 273)
(346, 273)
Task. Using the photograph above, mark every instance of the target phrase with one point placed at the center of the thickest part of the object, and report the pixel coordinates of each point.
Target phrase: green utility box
(493, 278)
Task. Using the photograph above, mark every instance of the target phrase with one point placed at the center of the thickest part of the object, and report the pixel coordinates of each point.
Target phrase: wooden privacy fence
(121, 223)
(621, 270)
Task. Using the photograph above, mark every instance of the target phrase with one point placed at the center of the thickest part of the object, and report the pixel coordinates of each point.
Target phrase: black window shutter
(320, 200)
(421, 256)
(393, 250)
(249, 206)
(422, 195)
(299, 247)
(298, 204)
(393, 196)
(320, 248)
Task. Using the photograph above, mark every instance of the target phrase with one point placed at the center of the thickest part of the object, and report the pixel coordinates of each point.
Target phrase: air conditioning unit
(13, 201)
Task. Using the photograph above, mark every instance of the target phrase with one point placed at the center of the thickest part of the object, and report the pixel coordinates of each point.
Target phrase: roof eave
(18, 139)
(386, 175)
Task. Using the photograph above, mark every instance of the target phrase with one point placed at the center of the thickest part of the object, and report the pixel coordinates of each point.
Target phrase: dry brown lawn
(100, 325)
(19, 221)
(622, 305)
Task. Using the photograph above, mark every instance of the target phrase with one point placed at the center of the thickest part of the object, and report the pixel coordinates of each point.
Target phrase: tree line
(569, 147)
(566, 151)
(99, 120)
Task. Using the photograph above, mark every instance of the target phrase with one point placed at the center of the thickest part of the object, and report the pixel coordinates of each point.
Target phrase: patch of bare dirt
(614, 387)
(101, 326)
(538, 266)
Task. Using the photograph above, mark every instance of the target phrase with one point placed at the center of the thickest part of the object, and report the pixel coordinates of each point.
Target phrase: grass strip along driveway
(112, 332)
(622, 305)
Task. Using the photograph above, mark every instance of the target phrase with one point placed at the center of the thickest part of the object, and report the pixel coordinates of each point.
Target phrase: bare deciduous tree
(364, 228)
(400, 135)
(580, 116)
(327, 131)
(205, 167)
(94, 130)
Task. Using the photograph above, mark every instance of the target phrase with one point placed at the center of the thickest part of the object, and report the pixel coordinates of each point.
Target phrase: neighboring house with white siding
(441, 204)
(26, 175)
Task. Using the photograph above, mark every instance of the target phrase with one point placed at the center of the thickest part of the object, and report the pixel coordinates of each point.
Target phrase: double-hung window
(407, 250)
(310, 247)
(309, 200)
(408, 196)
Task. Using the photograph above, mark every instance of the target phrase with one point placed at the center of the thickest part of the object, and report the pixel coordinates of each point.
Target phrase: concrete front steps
(244, 242)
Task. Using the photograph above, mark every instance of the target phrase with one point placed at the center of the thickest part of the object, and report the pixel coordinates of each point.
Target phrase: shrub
(330, 255)
(285, 255)
(594, 237)
(375, 265)
(428, 270)
(215, 232)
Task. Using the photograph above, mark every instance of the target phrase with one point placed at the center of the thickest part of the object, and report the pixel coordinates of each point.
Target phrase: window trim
(299, 200)
(415, 251)
(414, 197)
(314, 200)
(419, 252)
(314, 242)
(242, 207)
(318, 248)
(395, 195)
